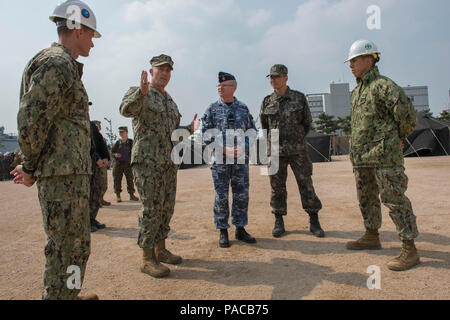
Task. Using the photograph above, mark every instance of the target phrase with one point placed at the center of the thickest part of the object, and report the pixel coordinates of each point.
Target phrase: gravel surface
(296, 266)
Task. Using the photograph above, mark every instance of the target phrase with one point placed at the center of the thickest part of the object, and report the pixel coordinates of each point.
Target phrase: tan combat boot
(133, 197)
(165, 255)
(151, 266)
(369, 241)
(407, 259)
(118, 197)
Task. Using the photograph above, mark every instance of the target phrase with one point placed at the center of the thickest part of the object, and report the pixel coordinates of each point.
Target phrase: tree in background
(427, 113)
(326, 124)
(345, 124)
(444, 115)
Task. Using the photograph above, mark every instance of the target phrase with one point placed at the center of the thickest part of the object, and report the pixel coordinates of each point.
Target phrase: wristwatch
(26, 170)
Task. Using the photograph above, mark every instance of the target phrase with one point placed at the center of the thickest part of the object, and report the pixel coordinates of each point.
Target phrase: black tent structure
(319, 146)
(431, 137)
(196, 156)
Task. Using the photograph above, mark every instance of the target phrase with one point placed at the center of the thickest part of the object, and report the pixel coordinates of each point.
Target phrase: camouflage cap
(278, 70)
(162, 60)
(123, 129)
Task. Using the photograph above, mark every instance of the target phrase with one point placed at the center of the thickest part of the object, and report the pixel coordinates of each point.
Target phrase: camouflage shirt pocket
(272, 112)
(371, 152)
(77, 102)
(294, 113)
(362, 99)
(153, 106)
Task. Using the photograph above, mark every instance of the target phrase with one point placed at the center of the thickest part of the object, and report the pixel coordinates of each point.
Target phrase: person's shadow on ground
(126, 207)
(134, 232)
(441, 259)
(327, 246)
(290, 279)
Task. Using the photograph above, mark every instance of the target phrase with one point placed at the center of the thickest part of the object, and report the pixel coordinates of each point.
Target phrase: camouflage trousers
(64, 204)
(302, 167)
(238, 176)
(96, 192)
(121, 168)
(390, 185)
(104, 181)
(157, 187)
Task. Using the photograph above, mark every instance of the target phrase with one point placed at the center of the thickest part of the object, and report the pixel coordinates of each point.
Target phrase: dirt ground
(296, 266)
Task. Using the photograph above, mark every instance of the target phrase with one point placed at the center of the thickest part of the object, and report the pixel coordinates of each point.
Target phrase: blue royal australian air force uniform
(222, 116)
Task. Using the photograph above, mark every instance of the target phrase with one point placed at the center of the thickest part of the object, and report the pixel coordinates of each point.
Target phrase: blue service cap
(223, 76)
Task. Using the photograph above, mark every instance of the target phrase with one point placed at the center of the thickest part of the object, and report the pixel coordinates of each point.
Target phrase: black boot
(93, 227)
(223, 241)
(242, 235)
(278, 230)
(99, 225)
(133, 197)
(314, 225)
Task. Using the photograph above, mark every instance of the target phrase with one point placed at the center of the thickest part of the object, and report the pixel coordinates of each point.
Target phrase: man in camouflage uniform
(155, 116)
(288, 111)
(55, 139)
(122, 164)
(227, 115)
(382, 118)
(103, 171)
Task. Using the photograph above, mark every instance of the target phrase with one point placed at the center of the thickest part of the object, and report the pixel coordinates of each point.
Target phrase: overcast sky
(242, 37)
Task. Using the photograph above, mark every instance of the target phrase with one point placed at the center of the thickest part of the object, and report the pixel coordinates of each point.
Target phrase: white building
(334, 103)
(418, 96)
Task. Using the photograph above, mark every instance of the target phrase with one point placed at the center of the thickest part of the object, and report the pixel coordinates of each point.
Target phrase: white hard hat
(77, 11)
(362, 48)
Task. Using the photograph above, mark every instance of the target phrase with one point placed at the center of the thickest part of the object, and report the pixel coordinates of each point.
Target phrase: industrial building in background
(337, 101)
(418, 96)
(334, 103)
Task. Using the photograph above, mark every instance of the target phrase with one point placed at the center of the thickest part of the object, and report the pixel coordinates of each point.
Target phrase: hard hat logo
(368, 46)
(85, 13)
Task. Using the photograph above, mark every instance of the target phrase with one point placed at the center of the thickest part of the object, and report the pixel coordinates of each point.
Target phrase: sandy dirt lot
(297, 266)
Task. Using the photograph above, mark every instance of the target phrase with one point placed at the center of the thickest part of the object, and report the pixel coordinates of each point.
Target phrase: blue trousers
(238, 176)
